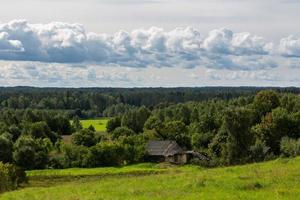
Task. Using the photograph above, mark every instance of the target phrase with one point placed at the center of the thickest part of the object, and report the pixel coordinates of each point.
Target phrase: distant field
(98, 124)
(279, 179)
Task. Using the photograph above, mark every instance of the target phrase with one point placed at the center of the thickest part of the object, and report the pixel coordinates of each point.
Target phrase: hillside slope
(278, 179)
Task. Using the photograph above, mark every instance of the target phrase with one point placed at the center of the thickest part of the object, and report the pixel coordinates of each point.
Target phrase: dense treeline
(254, 126)
(240, 130)
(92, 102)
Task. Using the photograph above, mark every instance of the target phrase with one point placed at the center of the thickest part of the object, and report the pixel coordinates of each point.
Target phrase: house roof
(163, 148)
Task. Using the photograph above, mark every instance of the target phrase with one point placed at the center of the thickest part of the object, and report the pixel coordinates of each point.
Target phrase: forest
(229, 126)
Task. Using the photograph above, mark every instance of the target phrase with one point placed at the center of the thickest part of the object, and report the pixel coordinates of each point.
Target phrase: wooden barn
(168, 151)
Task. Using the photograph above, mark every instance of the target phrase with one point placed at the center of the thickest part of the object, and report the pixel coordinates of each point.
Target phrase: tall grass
(279, 179)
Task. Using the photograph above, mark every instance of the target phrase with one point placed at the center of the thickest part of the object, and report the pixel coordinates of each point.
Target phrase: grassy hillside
(279, 179)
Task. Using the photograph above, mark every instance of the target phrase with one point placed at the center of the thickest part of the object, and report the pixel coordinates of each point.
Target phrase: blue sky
(140, 43)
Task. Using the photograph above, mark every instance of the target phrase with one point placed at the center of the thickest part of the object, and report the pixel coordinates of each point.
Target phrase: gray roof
(163, 148)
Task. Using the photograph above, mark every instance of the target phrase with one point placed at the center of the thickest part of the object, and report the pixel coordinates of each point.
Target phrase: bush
(122, 131)
(6, 146)
(134, 148)
(31, 153)
(259, 151)
(290, 147)
(106, 154)
(73, 156)
(84, 137)
(113, 123)
(42, 130)
(57, 162)
(10, 177)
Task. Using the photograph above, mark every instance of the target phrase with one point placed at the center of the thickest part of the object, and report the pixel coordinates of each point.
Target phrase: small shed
(167, 151)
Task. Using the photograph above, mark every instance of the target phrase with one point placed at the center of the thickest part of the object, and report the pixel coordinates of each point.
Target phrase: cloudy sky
(143, 43)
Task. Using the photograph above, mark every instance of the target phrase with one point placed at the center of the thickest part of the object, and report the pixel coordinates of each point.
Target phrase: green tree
(106, 154)
(30, 153)
(237, 125)
(290, 147)
(24, 152)
(176, 130)
(122, 131)
(10, 177)
(14, 131)
(135, 119)
(134, 147)
(75, 156)
(91, 128)
(265, 101)
(84, 137)
(113, 123)
(273, 127)
(42, 130)
(6, 148)
(76, 124)
(259, 151)
(201, 141)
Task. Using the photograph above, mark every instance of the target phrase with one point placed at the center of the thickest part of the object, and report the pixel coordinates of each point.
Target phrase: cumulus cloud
(59, 42)
(290, 46)
(224, 41)
(7, 45)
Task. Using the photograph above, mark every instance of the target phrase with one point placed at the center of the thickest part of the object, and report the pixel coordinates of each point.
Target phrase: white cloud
(59, 42)
(63, 54)
(224, 41)
(290, 46)
(7, 45)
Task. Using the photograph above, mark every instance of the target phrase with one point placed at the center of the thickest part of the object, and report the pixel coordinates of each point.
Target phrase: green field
(98, 124)
(279, 179)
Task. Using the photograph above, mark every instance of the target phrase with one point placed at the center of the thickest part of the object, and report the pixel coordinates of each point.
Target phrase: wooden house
(168, 151)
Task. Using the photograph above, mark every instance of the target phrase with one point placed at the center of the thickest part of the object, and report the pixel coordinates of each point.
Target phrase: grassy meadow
(98, 124)
(278, 179)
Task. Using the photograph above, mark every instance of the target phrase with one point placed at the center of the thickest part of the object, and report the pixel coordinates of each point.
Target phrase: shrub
(113, 123)
(134, 147)
(24, 152)
(5, 183)
(57, 162)
(106, 154)
(259, 151)
(84, 137)
(10, 177)
(74, 156)
(5, 149)
(122, 131)
(31, 153)
(42, 130)
(290, 147)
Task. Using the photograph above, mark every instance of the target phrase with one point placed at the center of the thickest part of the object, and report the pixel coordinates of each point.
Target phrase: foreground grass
(98, 124)
(279, 179)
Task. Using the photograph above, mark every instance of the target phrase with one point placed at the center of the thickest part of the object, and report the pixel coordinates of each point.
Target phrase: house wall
(177, 158)
(182, 158)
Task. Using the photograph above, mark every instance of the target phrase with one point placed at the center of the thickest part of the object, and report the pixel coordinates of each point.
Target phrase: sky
(149, 43)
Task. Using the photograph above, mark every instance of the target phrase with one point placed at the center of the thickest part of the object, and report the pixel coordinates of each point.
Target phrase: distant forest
(98, 102)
